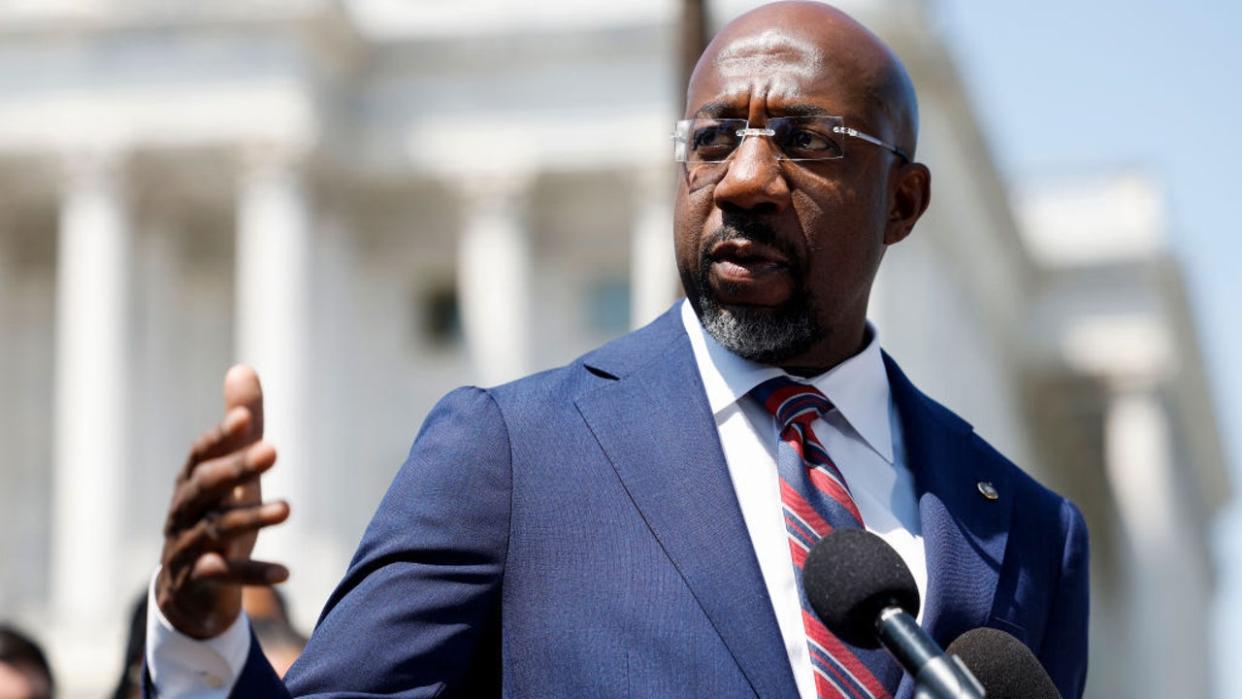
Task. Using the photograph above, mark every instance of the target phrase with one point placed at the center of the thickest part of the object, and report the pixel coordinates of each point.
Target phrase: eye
(717, 136)
(806, 142)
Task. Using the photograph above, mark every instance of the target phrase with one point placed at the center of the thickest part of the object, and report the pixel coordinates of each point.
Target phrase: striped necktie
(817, 501)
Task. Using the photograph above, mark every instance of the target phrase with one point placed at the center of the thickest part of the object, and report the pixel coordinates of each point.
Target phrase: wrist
(181, 665)
(198, 615)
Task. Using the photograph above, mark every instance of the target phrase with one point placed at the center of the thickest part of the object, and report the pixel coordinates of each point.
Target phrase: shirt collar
(858, 387)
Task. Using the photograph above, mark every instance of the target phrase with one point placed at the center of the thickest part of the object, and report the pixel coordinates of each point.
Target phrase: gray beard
(764, 335)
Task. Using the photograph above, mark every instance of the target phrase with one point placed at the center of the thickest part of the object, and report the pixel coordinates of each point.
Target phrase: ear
(911, 195)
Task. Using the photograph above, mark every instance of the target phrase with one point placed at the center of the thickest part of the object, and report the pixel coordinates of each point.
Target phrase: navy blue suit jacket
(576, 534)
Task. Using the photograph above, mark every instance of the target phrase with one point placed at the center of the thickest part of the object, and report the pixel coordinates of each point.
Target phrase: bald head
(841, 56)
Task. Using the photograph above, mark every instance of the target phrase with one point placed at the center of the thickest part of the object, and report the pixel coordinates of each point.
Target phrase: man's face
(777, 256)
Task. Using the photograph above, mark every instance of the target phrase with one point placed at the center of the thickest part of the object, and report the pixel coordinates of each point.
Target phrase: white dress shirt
(862, 435)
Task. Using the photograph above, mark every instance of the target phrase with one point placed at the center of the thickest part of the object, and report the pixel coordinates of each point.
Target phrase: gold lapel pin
(987, 490)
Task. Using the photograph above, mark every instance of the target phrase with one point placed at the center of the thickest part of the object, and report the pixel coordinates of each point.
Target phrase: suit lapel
(964, 533)
(657, 430)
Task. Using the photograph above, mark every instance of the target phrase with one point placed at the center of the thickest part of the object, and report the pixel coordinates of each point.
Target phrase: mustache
(735, 226)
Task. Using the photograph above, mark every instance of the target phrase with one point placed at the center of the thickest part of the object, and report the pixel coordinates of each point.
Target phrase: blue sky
(1082, 86)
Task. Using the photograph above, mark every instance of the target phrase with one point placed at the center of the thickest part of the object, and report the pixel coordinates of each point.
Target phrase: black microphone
(864, 593)
(1005, 667)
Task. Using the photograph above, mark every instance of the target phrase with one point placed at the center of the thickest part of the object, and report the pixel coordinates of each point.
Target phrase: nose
(754, 181)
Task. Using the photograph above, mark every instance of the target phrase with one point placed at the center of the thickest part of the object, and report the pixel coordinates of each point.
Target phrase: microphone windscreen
(1005, 667)
(850, 576)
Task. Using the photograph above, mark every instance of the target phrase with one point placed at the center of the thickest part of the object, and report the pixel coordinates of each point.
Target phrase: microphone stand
(940, 676)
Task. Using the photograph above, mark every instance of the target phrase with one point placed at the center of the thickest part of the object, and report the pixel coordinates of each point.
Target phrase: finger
(218, 528)
(216, 568)
(220, 532)
(229, 435)
(212, 481)
(242, 389)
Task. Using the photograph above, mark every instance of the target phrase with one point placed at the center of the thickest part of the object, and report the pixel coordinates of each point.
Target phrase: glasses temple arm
(855, 133)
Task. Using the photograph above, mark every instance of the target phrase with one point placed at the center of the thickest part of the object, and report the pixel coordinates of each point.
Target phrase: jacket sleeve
(257, 678)
(417, 612)
(1064, 650)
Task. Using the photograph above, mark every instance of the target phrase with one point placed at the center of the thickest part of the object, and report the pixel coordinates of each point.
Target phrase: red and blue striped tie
(817, 501)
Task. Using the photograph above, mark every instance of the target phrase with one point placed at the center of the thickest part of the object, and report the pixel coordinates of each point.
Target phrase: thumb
(242, 389)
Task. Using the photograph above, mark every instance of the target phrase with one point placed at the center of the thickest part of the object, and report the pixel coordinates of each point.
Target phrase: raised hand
(215, 516)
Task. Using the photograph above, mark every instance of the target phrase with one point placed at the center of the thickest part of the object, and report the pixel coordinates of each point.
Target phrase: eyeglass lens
(796, 138)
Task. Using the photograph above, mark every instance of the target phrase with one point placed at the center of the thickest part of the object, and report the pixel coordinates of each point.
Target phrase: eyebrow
(720, 108)
(803, 110)
(717, 108)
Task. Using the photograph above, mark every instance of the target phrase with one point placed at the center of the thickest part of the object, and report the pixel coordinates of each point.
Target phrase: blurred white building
(374, 202)
(1121, 401)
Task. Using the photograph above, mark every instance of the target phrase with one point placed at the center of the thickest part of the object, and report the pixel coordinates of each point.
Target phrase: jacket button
(987, 490)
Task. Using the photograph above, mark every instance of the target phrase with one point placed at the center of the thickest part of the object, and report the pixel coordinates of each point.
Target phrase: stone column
(273, 256)
(160, 376)
(653, 270)
(91, 411)
(11, 471)
(1165, 579)
(493, 278)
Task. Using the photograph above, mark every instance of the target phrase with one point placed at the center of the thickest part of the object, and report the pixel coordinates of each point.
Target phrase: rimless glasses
(801, 138)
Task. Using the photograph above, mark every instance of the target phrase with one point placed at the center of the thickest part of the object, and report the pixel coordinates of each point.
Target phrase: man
(632, 524)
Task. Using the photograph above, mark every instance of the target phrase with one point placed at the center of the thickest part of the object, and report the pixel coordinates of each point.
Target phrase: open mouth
(743, 259)
(744, 272)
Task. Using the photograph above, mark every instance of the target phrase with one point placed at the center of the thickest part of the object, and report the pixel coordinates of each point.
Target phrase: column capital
(264, 158)
(507, 190)
(92, 167)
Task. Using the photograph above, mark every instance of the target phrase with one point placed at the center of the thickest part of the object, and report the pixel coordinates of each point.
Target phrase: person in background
(24, 670)
(130, 684)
